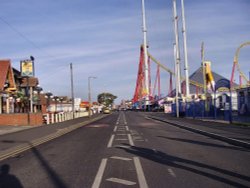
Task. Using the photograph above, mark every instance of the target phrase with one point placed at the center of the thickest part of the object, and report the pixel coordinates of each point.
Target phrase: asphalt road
(127, 150)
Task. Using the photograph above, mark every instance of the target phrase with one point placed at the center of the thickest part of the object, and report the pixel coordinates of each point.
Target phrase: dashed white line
(127, 129)
(140, 173)
(115, 129)
(171, 172)
(121, 158)
(111, 141)
(131, 142)
(99, 174)
(121, 181)
(121, 139)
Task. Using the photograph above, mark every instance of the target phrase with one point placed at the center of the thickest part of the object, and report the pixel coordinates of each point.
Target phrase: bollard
(47, 119)
(52, 118)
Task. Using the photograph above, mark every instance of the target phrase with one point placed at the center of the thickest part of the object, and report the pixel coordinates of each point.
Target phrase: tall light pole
(89, 91)
(146, 71)
(185, 49)
(177, 58)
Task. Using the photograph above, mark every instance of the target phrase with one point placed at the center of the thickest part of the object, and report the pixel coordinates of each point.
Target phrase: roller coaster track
(173, 73)
(236, 64)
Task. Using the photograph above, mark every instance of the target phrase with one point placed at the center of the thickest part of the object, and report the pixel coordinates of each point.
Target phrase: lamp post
(56, 99)
(89, 89)
(61, 101)
(48, 96)
(38, 89)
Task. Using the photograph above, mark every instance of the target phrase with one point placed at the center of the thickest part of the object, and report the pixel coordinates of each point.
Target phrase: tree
(106, 99)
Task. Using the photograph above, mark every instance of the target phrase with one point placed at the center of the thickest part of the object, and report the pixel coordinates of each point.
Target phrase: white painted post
(47, 119)
(52, 118)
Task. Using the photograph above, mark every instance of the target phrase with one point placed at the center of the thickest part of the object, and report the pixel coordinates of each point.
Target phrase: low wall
(21, 119)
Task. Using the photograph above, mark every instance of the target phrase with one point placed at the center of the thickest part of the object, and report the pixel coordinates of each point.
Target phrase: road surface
(125, 149)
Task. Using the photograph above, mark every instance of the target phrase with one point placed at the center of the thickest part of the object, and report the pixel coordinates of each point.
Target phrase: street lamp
(61, 101)
(89, 89)
(48, 96)
(56, 99)
(38, 89)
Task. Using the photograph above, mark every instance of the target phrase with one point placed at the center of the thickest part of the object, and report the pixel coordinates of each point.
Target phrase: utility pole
(89, 93)
(203, 69)
(146, 70)
(72, 90)
(185, 49)
(177, 58)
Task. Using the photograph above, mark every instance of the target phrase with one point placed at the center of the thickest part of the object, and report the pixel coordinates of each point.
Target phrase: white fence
(60, 117)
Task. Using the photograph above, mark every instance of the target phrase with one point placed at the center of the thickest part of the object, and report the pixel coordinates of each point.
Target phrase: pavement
(222, 130)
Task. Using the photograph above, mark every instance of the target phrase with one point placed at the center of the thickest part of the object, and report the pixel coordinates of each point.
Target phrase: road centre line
(99, 174)
(115, 129)
(130, 140)
(121, 158)
(171, 172)
(121, 130)
(140, 173)
(121, 139)
(121, 181)
(111, 141)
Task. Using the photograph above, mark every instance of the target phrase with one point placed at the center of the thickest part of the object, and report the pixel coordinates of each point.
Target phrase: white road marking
(121, 181)
(121, 158)
(171, 172)
(121, 139)
(122, 146)
(121, 134)
(127, 129)
(115, 129)
(140, 173)
(130, 140)
(99, 174)
(111, 141)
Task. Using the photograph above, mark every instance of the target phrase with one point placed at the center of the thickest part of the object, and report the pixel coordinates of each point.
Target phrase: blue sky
(102, 38)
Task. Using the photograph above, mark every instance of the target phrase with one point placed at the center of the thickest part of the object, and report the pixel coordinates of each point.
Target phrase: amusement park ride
(145, 95)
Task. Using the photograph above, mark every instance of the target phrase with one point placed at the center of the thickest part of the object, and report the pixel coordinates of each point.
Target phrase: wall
(21, 119)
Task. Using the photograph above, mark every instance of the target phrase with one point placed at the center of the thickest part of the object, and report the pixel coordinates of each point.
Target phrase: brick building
(19, 103)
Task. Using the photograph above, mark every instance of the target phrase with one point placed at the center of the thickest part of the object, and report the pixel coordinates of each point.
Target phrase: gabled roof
(6, 74)
(197, 76)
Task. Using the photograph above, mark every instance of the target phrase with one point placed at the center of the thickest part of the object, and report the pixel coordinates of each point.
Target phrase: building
(18, 100)
(197, 92)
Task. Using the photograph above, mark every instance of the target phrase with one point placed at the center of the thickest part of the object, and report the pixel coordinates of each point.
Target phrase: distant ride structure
(236, 66)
